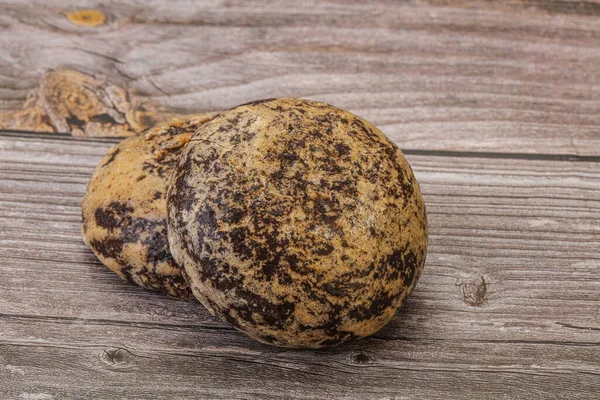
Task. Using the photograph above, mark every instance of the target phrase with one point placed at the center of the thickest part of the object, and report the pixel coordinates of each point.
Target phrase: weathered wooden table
(496, 104)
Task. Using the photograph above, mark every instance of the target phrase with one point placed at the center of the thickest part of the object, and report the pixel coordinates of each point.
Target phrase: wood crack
(136, 324)
(585, 328)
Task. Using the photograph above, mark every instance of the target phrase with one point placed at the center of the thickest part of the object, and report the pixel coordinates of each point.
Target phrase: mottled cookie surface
(299, 223)
(124, 207)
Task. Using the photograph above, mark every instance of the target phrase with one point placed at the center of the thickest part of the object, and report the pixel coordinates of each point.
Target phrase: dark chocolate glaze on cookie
(298, 223)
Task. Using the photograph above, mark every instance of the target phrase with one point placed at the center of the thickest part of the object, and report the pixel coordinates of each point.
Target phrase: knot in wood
(87, 18)
(361, 358)
(113, 356)
(474, 291)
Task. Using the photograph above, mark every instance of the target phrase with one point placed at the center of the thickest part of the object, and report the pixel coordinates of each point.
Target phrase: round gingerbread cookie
(297, 222)
(124, 207)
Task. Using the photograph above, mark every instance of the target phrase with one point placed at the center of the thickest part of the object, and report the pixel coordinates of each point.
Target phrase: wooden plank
(114, 362)
(507, 305)
(511, 76)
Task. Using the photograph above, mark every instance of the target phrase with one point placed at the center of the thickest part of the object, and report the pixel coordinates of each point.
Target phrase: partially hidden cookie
(297, 222)
(124, 207)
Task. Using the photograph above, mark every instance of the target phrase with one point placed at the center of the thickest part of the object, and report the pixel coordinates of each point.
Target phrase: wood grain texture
(507, 306)
(510, 76)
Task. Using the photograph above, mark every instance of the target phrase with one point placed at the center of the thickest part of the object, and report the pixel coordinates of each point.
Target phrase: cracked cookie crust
(298, 223)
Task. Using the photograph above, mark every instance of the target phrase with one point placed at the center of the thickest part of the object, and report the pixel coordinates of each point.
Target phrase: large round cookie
(299, 223)
(124, 207)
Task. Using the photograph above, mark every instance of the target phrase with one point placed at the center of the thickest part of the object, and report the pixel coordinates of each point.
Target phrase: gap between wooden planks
(507, 304)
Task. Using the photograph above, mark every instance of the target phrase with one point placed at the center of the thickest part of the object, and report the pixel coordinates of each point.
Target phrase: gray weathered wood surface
(518, 75)
(497, 105)
(507, 306)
